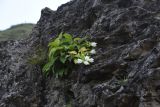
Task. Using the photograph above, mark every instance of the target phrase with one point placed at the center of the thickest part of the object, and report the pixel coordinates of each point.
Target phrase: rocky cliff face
(126, 72)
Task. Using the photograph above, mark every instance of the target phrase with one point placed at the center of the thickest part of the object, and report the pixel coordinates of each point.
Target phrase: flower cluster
(86, 60)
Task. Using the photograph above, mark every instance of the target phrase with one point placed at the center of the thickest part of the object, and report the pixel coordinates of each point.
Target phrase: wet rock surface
(126, 72)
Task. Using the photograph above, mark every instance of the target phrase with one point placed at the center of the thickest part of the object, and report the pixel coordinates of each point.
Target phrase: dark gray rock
(18, 81)
(126, 72)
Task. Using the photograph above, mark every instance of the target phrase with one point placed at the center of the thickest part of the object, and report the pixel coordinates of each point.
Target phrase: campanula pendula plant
(66, 51)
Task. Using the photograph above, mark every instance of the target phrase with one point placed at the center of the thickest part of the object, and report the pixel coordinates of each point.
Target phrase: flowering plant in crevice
(66, 51)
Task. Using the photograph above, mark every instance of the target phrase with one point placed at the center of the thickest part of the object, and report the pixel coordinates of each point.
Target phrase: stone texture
(126, 72)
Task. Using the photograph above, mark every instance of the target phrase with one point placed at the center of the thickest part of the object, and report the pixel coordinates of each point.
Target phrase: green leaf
(77, 39)
(48, 66)
(72, 46)
(68, 37)
(55, 43)
(60, 35)
(83, 49)
(52, 52)
(63, 59)
(72, 52)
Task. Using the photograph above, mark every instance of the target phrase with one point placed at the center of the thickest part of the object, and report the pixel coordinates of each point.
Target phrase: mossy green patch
(38, 57)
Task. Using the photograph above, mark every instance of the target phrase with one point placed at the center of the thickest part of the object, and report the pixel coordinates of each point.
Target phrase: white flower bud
(94, 44)
(79, 61)
(93, 51)
(91, 60)
(86, 58)
(86, 63)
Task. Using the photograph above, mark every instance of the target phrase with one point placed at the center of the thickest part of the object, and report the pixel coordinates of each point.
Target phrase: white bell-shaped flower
(86, 58)
(93, 51)
(91, 60)
(93, 44)
(86, 63)
(79, 61)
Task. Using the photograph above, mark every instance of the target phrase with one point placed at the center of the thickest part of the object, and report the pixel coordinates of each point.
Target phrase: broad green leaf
(77, 39)
(48, 66)
(63, 59)
(72, 52)
(68, 37)
(67, 56)
(52, 52)
(60, 35)
(55, 43)
(71, 47)
(78, 55)
(83, 49)
(75, 61)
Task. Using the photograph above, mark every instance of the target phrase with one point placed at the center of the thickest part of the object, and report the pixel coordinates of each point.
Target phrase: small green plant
(38, 57)
(123, 81)
(65, 51)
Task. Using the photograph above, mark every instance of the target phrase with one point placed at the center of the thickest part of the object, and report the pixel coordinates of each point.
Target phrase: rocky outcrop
(126, 72)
